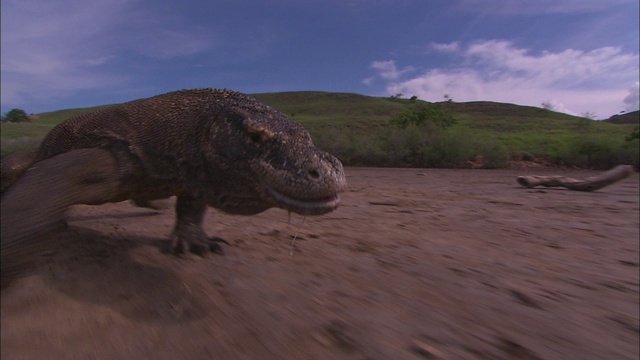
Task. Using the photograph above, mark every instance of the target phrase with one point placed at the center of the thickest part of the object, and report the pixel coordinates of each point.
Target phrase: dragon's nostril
(314, 174)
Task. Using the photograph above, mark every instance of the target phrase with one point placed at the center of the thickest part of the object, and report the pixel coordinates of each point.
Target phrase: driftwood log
(589, 184)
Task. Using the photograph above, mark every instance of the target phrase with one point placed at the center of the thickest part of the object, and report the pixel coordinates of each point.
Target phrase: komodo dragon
(210, 147)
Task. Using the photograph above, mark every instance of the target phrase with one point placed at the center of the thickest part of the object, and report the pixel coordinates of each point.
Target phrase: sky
(580, 56)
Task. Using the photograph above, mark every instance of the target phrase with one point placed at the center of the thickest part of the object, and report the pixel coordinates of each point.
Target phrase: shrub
(527, 156)
(423, 115)
(634, 135)
(419, 146)
(15, 115)
(494, 154)
(597, 153)
(427, 146)
(629, 153)
(449, 148)
(408, 141)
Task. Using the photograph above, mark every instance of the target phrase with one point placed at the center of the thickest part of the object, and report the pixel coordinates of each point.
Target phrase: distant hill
(628, 118)
(317, 109)
(353, 121)
(321, 109)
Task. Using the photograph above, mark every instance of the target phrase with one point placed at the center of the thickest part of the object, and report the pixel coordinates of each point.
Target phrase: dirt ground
(416, 264)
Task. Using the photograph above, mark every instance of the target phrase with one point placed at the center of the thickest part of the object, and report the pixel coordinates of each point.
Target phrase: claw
(216, 248)
(178, 247)
(216, 239)
(198, 249)
(214, 245)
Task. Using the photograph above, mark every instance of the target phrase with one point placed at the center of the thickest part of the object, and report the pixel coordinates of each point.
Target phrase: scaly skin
(208, 147)
(35, 207)
(13, 165)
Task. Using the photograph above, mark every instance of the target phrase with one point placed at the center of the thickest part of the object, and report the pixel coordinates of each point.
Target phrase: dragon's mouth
(316, 206)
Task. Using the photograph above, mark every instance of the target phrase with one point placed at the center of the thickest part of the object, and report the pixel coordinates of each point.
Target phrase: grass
(356, 128)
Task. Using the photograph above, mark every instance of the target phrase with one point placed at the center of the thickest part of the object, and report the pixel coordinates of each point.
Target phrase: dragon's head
(264, 160)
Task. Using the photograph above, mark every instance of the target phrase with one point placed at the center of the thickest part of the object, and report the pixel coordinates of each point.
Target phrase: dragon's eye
(255, 137)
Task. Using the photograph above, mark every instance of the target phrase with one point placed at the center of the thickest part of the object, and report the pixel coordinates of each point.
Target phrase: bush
(597, 153)
(494, 154)
(629, 153)
(351, 148)
(527, 156)
(413, 139)
(423, 115)
(15, 115)
(634, 135)
(448, 148)
(417, 146)
(402, 146)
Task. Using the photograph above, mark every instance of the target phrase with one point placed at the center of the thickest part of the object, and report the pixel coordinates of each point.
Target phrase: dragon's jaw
(316, 206)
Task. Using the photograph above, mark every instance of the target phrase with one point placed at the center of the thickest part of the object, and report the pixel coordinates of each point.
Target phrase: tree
(548, 105)
(15, 115)
(588, 115)
(423, 115)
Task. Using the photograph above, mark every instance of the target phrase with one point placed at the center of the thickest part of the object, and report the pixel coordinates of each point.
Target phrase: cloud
(633, 99)
(450, 47)
(368, 81)
(388, 70)
(575, 80)
(52, 49)
(537, 7)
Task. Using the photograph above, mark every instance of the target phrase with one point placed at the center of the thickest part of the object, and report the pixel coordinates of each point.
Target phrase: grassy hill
(356, 128)
(320, 110)
(628, 118)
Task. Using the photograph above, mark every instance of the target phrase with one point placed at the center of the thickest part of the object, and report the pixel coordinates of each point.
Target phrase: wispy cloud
(576, 80)
(51, 49)
(388, 70)
(537, 7)
(448, 47)
(633, 99)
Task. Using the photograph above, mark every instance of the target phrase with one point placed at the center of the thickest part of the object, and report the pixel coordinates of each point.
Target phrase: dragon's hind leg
(13, 165)
(35, 205)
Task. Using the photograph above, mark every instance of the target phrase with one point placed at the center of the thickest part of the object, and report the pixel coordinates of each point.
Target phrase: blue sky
(579, 55)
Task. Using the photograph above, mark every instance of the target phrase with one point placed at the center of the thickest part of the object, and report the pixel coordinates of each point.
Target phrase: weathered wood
(589, 184)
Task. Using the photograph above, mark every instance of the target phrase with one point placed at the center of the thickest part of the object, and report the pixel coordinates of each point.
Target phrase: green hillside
(628, 118)
(357, 129)
(317, 110)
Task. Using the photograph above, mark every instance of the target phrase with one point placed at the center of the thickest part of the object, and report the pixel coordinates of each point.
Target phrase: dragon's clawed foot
(194, 240)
